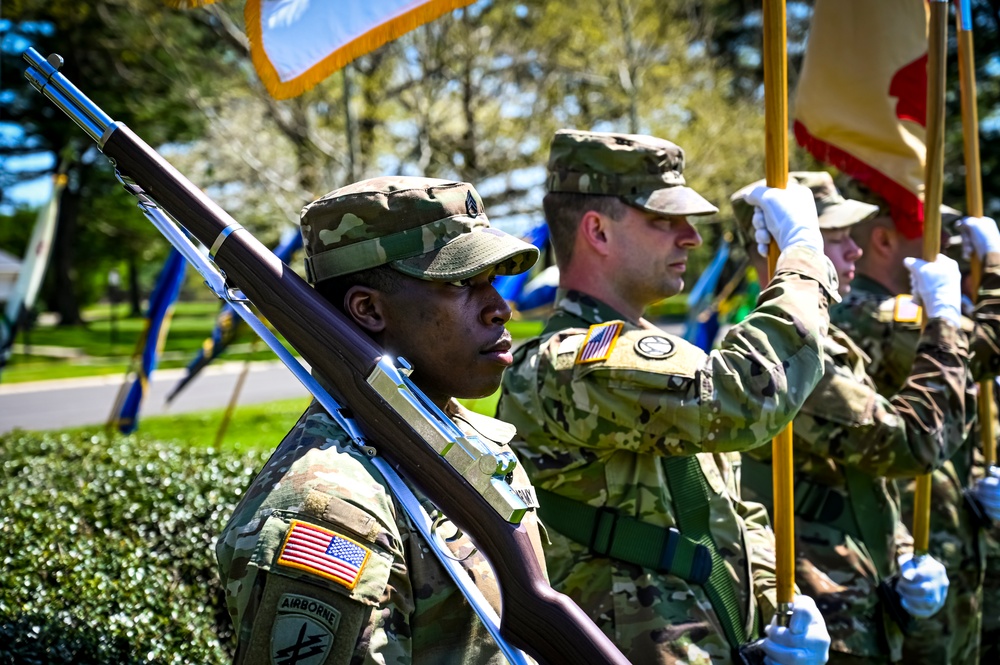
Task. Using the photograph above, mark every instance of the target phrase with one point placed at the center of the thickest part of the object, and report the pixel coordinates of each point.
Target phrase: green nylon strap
(821, 505)
(813, 502)
(689, 491)
(609, 533)
(875, 526)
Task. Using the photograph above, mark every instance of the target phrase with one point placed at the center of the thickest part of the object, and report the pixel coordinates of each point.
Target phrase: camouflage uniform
(607, 432)
(990, 646)
(373, 591)
(869, 314)
(849, 442)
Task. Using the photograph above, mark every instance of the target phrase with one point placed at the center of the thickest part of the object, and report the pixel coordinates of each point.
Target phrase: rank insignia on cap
(655, 347)
(470, 205)
(905, 310)
(599, 343)
(323, 552)
(303, 630)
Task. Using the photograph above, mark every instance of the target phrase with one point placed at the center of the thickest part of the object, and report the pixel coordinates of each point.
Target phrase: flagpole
(776, 169)
(937, 42)
(974, 194)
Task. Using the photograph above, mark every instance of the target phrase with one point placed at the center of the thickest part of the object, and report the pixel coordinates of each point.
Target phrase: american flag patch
(599, 343)
(323, 552)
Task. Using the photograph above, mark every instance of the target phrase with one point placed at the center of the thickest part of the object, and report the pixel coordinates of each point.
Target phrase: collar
(485, 427)
(869, 285)
(575, 309)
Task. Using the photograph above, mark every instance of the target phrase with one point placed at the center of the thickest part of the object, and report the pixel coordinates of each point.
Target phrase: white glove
(786, 215)
(804, 642)
(979, 236)
(988, 493)
(922, 586)
(937, 286)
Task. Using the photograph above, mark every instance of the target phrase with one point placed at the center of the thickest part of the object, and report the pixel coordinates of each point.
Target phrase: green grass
(252, 426)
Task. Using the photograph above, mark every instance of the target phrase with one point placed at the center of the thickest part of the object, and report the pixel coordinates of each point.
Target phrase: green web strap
(689, 491)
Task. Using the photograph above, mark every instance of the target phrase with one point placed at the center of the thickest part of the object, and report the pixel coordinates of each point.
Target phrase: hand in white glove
(937, 286)
(922, 585)
(979, 236)
(786, 215)
(988, 493)
(804, 642)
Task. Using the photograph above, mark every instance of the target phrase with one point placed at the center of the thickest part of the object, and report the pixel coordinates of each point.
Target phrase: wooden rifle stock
(544, 623)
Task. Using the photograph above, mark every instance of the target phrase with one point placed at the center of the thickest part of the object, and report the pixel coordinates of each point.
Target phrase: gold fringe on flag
(366, 43)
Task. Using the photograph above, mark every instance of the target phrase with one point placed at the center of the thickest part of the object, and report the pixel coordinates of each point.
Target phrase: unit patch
(323, 552)
(303, 630)
(655, 347)
(599, 343)
(905, 310)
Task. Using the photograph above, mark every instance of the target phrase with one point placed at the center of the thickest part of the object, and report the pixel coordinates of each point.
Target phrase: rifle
(463, 477)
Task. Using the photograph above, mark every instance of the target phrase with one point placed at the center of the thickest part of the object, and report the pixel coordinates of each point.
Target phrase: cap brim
(470, 254)
(677, 200)
(846, 213)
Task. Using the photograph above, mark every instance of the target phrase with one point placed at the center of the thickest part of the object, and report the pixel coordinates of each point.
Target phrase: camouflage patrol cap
(644, 171)
(834, 211)
(423, 227)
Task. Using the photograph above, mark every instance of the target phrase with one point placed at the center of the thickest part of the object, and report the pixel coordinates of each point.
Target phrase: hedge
(108, 549)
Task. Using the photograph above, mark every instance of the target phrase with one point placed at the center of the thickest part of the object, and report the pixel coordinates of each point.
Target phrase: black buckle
(979, 516)
(751, 653)
(701, 557)
(612, 514)
(890, 601)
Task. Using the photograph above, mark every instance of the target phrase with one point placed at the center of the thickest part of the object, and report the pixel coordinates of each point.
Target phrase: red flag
(861, 101)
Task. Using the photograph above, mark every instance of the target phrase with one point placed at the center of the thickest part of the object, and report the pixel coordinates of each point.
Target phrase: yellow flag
(861, 101)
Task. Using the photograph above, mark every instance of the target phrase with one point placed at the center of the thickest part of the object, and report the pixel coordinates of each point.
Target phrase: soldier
(378, 594)
(629, 433)
(850, 442)
(884, 321)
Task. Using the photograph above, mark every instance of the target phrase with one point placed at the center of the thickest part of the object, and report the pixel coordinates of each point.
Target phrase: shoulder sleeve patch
(599, 342)
(323, 552)
(905, 310)
(650, 357)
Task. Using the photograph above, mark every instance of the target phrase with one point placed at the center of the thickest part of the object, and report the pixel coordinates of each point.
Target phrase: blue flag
(227, 323)
(701, 330)
(161, 305)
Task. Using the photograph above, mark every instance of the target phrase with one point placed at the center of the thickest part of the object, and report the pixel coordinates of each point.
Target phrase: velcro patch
(323, 552)
(303, 631)
(905, 310)
(599, 343)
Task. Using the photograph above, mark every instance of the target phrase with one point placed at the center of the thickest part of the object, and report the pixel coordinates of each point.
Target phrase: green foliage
(108, 549)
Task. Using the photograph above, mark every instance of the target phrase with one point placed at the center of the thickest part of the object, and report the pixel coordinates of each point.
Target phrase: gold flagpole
(776, 165)
(974, 194)
(937, 42)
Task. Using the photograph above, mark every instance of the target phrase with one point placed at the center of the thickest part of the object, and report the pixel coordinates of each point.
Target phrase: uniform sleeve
(912, 433)
(985, 337)
(318, 591)
(760, 544)
(660, 395)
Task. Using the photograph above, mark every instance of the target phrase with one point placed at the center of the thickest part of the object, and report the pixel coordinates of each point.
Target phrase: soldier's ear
(593, 232)
(365, 306)
(882, 242)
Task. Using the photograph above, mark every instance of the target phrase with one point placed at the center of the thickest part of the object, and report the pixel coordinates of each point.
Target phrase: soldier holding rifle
(881, 317)
(850, 443)
(630, 434)
(318, 558)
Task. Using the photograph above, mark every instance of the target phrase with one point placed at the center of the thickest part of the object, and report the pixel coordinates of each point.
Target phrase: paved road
(73, 402)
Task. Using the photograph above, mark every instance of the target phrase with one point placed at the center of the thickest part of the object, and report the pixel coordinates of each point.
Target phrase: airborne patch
(323, 552)
(303, 630)
(599, 343)
(905, 310)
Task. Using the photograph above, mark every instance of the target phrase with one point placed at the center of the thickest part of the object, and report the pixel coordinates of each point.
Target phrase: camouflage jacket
(377, 593)
(847, 440)
(869, 315)
(599, 432)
